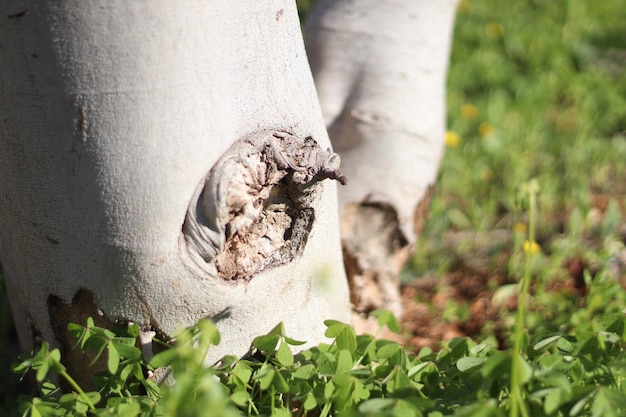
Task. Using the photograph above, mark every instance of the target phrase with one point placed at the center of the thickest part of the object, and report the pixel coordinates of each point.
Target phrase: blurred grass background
(536, 89)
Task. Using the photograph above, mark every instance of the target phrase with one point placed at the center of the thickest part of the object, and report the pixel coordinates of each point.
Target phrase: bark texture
(380, 71)
(148, 147)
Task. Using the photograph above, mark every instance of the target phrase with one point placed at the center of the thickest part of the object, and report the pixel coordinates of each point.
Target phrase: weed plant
(354, 375)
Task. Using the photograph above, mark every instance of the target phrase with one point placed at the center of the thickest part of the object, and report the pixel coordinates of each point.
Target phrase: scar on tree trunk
(375, 250)
(256, 207)
(61, 314)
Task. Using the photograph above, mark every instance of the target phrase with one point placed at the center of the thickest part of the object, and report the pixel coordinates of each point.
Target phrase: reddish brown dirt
(426, 300)
(460, 303)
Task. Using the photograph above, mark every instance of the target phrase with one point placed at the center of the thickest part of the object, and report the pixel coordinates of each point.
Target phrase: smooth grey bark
(380, 71)
(164, 162)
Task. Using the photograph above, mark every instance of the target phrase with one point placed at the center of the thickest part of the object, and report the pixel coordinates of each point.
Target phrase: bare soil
(461, 302)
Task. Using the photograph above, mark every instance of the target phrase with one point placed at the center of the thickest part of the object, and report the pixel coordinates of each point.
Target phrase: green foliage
(128, 388)
(576, 374)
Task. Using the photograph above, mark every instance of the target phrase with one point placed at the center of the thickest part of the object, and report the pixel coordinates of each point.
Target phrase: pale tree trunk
(380, 70)
(161, 162)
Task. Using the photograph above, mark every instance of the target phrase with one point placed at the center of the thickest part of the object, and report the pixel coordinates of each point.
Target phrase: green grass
(548, 79)
(536, 90)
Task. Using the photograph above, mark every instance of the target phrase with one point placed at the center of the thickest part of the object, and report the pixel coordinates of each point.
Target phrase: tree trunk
(380, 72)
(162, 162)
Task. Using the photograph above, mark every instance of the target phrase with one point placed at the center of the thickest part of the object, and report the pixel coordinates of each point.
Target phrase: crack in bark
(255, 208)
(82, 307)
(61, 314)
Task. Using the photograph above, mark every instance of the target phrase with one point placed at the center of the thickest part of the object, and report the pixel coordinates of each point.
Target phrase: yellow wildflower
(469, 111)
(452, 139)
(531, 247)
(494, 30)
(520, 228)
(485, 129)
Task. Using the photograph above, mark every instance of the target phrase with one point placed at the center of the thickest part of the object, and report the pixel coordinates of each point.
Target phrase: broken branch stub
(256, 207)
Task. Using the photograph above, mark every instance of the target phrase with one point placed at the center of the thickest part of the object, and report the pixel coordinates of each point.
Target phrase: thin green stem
(78, 389)
(517, 401)
(326, 408)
